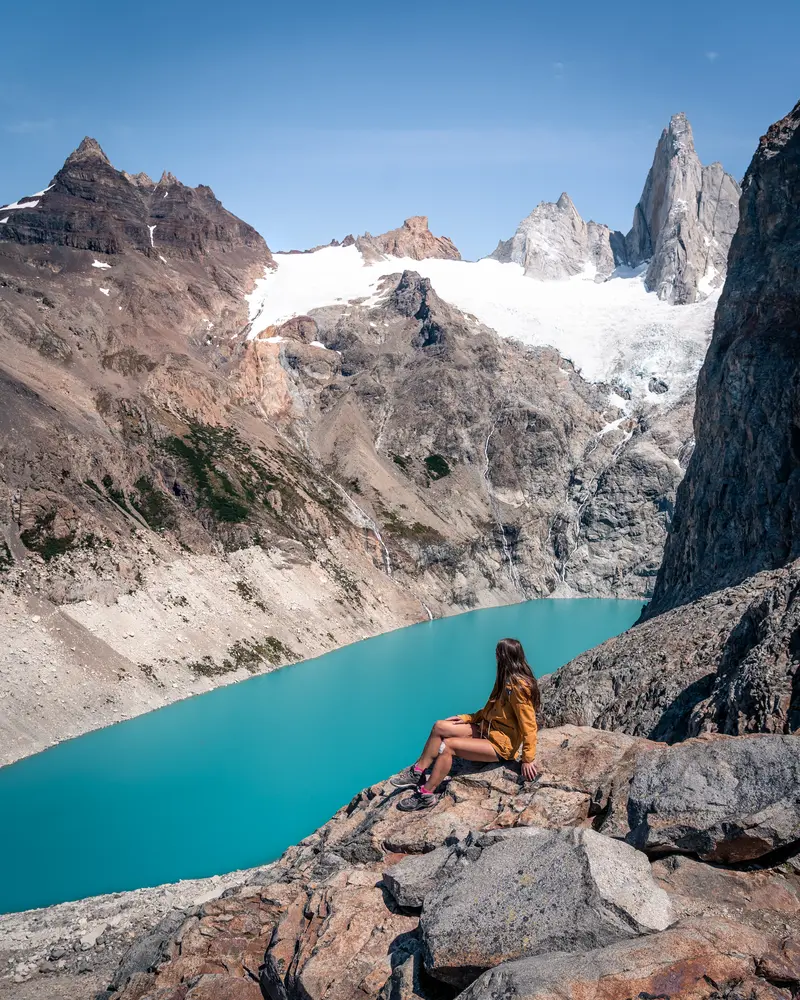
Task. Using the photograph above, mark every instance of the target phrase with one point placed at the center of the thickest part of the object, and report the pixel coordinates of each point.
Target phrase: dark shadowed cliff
(720, 649)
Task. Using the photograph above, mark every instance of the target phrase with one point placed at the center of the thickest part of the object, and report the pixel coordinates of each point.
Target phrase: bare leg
(468, 748)
(440, 731)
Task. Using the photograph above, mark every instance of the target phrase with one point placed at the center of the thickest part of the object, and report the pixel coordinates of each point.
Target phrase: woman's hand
(529, 771)
(453, 718)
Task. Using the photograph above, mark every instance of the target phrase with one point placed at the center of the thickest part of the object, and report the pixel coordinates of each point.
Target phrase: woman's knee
(439, 728)
(447, 747)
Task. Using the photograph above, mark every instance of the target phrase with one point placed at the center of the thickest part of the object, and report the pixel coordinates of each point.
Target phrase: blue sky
(311, 120)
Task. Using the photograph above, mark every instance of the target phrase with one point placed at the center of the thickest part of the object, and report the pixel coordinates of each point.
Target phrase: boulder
(731, 939)
(410, 880)
(554, 890)
(724, 799)
(680, 964)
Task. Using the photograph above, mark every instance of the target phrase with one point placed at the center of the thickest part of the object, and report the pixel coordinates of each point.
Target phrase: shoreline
(171, 695)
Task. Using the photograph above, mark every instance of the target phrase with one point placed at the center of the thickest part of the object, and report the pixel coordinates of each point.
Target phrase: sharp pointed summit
(685, 219)
(89, 149)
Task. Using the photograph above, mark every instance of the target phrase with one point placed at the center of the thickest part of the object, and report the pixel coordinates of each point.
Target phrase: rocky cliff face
(685, 219)
(554, 242)
(413, 240)
(719, 649)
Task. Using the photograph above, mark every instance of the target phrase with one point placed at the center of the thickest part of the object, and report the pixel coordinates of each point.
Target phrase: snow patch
(610, 330)
(159, 256)
(611, 427)
(318, 343)
(99, 263)
(17, 205)
(705, 284)
(620, 402)
(4, 221)
(271, 340)
(106, 291)
(152, 230)
(40, 194)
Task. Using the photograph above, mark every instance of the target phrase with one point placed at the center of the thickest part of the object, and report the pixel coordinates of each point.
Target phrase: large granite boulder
(558, 890)
(732, 938)
(727, 799)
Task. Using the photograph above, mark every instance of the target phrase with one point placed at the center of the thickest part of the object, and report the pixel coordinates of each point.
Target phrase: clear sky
(312, 120)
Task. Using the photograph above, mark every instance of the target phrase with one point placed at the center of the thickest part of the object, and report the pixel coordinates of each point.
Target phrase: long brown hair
(513, 670)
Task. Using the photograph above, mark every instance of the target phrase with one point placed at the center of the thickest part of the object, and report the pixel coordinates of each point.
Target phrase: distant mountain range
(218, 459)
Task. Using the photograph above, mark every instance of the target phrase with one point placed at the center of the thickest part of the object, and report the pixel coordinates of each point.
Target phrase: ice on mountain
(106, 291)
(614, 331)
(39, 194)
(152, 230)
(4, 221)
(99, 263)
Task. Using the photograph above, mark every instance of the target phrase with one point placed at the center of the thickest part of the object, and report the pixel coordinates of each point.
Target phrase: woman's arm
(526, 717)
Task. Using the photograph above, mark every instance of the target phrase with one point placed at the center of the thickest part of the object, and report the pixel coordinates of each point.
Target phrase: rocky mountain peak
(679, 134)
(139, 180)
(685, 219)
(413, 240)
(554, 242)
(90, 205)
(89, 149)
(566, 204)
(682, 227)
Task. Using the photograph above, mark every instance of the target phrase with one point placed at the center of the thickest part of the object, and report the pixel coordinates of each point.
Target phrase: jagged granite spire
(555, 242)
(685, 219)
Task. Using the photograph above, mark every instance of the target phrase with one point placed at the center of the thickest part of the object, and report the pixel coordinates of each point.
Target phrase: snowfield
(610, 330)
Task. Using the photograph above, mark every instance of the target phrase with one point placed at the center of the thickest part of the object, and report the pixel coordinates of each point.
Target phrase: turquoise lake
(229, 779)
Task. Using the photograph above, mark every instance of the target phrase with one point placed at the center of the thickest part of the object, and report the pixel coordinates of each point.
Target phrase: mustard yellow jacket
(506, 723)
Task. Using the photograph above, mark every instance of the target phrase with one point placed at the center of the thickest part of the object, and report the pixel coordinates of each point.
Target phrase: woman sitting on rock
(495, 733)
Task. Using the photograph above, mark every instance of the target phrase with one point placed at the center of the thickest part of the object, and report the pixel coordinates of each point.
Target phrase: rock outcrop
(412, 240)
(685, 219)
(499, 904)
(498, 876)
(554, 242)
(718, 650)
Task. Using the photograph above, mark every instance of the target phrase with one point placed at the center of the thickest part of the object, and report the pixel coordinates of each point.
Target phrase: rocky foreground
(627, 869)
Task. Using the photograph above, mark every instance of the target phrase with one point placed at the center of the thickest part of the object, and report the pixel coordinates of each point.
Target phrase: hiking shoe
(407, 778)
(419, 801)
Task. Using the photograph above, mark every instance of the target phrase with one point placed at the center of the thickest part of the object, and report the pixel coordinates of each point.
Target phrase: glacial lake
(229, 779)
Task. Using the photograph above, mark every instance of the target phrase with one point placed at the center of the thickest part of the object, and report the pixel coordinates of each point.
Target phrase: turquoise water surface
(230, 778)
